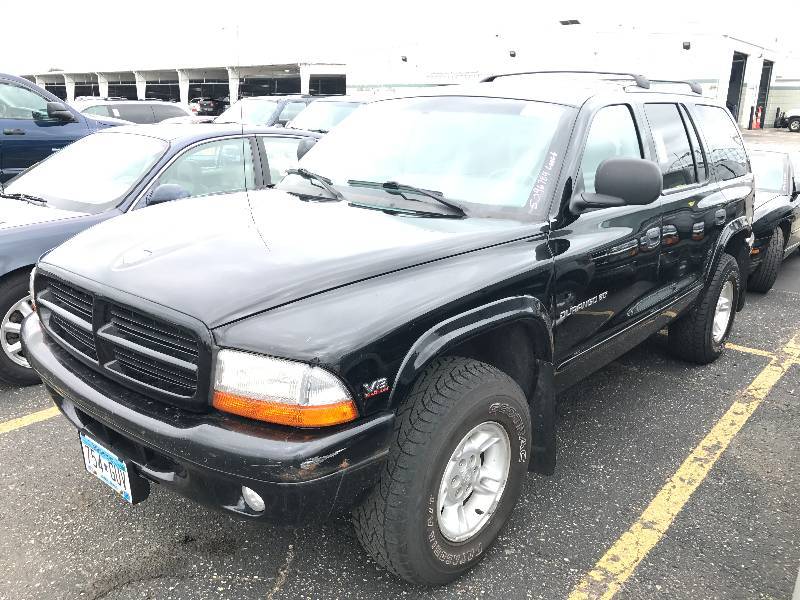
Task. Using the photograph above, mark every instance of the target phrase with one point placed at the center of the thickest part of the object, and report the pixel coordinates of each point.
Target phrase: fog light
(252, 499)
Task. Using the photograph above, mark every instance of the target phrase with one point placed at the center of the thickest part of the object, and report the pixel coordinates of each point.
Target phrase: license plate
(107, 467)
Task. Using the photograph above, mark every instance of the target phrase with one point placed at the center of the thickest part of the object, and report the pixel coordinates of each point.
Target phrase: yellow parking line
(748, 350)
(42, 415)
(621, 560)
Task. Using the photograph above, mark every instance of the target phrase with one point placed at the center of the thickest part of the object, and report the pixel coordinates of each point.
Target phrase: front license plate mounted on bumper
(113, 471)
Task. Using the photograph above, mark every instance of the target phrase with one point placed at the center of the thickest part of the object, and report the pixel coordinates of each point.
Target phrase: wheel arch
(514, 335)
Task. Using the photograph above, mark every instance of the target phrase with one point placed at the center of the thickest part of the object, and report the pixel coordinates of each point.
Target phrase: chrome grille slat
(143, 331)
(81, 303)
(153, 374)
(81, 340)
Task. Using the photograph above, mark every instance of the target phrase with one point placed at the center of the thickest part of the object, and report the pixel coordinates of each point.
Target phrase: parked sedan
(776, 218)
(119, 170)
(35, 123)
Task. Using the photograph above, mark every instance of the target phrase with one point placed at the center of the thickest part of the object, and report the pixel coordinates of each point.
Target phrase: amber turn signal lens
(286, 414)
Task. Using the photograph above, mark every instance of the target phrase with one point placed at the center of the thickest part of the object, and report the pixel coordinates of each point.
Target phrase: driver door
(606, 260)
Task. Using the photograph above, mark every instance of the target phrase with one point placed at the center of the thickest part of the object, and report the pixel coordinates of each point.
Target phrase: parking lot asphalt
(622, 434)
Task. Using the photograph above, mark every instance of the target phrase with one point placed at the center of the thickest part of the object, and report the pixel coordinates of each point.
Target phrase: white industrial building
(742, 73)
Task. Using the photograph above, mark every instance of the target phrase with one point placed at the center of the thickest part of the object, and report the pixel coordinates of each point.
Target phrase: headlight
(30, 288)
(280, 391)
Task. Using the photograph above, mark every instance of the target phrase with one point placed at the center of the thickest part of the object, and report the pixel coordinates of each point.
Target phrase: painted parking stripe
(621, 560)
(747, 350)
(30, 419)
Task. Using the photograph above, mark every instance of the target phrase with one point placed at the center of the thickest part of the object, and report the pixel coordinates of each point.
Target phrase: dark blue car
(112, 172)
(35, 123)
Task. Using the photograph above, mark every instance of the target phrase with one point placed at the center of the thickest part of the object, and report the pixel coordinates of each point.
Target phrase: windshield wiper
(25, 198)
(323, 181)
(393, 187)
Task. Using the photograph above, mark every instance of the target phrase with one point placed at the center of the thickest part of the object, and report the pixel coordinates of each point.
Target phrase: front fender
(437, 340)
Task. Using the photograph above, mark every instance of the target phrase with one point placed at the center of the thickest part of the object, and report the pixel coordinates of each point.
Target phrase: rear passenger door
(278, 154)
(694, 209)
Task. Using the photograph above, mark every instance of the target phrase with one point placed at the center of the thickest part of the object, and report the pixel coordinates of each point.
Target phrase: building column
(102, 85)
(233, 84)
(183, 86)
(69, 83)
(141, 85)
(305, 79)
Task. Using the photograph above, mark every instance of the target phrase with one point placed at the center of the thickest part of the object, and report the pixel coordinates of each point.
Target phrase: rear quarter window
(727, 158)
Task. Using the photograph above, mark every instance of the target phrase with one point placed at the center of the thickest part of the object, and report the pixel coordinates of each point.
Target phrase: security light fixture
(512, 53)
(404, 58)
(687, 45)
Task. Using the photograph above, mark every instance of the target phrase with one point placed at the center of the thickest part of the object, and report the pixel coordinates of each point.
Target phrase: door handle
(720, 216)
(13, 132)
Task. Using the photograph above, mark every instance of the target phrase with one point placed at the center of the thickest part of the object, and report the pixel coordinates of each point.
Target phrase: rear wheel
(763, 278)
(454, 471)
(15, 305)
(794, 125)
(700, 335)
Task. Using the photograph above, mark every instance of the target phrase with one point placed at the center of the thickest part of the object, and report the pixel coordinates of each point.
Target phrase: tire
(692, 336)
(12, 291)
(794, 125)
(763, 278)
(398, 524)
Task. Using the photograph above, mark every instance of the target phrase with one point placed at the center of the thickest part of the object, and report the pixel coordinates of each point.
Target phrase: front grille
(157, 358)
(78, 338)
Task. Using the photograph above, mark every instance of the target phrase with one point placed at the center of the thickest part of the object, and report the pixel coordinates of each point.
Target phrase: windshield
(323, 116)
(249, 111)
(485, 153)
(92, 174)
(769, 169)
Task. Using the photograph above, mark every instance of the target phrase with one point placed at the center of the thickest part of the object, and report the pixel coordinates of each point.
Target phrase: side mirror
(167, 192)
(304, 146)
(57, 110)
(621, 182)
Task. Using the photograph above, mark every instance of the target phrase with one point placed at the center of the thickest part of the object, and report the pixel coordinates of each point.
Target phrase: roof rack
(695, 87)
(640, 80)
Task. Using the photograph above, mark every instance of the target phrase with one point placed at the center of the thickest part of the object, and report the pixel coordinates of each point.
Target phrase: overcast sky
(95, 35)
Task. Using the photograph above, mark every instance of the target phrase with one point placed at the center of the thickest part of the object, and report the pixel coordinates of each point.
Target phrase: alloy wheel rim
(722, 314)
(10, 328)
(473, 481)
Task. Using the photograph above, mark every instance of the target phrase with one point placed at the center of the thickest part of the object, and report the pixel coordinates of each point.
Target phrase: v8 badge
(376, 387)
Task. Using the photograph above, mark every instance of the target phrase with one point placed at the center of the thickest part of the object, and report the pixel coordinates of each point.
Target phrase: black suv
(385, 332)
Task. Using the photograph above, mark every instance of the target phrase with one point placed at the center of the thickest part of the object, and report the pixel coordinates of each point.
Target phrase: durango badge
(376, 387)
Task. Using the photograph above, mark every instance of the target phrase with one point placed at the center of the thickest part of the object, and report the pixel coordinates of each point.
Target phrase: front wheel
(794, 125)
(700, 335)
(453, 475)
(15, 305)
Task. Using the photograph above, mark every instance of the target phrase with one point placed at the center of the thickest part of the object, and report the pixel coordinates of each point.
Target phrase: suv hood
(223, 258)
(763, 196)
(16, 213)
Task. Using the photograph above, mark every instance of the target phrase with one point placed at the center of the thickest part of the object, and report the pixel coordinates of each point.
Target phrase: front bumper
(301, 474)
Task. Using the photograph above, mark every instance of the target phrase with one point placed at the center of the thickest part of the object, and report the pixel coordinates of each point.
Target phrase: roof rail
(641, 80)
(695, 87)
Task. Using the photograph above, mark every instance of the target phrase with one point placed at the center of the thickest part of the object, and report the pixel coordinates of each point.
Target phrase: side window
(213, 168)
(136, 113)
(18, 103)
(672, 145)
(281, 155)
(726, 155)
(291, 110)
(612, 133)
(101, 110)
(166, 111)
(697, 149)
